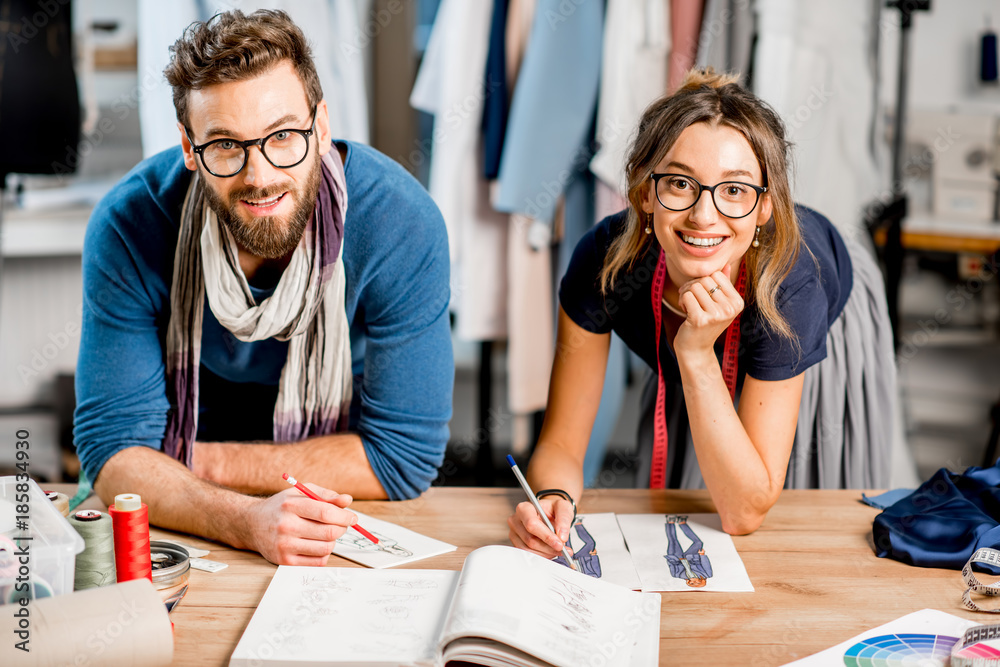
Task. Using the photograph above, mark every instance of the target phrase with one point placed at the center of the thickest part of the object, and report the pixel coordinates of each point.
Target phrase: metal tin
(171, 564)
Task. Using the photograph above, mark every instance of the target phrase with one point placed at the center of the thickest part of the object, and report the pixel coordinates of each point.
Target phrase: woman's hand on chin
(711, 303)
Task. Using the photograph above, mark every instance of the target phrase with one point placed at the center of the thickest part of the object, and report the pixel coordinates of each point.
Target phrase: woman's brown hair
(234, 46)
(709, 97)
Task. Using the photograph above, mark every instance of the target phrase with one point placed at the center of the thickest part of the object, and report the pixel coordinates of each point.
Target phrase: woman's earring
(756, 237)
(649, 222)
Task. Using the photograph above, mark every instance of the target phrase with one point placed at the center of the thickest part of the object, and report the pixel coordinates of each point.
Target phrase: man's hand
(289, 528)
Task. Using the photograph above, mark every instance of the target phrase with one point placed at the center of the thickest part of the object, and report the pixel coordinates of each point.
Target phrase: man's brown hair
(234, 46)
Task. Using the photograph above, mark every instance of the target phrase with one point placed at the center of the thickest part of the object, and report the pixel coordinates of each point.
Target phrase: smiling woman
(767, 333)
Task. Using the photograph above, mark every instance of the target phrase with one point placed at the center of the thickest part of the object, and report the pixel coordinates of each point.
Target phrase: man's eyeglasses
(733, 199)
(283, 148)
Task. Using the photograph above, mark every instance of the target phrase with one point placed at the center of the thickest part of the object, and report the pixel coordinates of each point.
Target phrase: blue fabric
(810, 298)
(553, 106)
(944, 521)
(883, 500)
(397, 272)
(497, 95)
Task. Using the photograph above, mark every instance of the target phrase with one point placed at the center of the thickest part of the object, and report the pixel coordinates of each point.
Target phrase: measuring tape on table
(989, 557)
(980, 645)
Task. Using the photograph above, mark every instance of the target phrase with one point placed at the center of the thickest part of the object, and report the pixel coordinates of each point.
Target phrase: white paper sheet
(929, 622)
(325, 615)
(718, 568)
(397, 545)
(599, 550)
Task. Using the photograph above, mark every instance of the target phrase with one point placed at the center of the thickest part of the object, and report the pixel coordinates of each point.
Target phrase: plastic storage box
(51, 551)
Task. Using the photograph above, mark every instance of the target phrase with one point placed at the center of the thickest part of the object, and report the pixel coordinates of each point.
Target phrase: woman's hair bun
(707, 78)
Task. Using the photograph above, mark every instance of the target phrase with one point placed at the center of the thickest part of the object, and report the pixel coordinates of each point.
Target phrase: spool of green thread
(95, 565)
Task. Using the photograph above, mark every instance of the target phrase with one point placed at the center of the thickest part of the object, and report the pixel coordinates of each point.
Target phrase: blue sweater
(396, 263)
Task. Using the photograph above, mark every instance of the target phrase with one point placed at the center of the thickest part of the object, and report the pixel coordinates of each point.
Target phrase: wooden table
(817, 580)
(934, 234)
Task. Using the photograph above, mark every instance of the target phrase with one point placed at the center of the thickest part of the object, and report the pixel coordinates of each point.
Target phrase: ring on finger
(713, 290)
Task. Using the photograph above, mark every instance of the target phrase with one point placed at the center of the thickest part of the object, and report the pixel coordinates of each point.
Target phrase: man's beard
(268, 236)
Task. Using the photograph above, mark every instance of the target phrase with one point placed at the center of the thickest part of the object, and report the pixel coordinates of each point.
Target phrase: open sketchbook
(506, 607)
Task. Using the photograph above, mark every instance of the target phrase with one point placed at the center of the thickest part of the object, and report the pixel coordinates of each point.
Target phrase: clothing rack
(891, 215)
(485, 474)
(484, 468)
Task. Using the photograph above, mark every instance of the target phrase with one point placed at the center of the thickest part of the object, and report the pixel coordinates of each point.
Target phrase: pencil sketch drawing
(362, 543)
(690, 564)
(586, 556)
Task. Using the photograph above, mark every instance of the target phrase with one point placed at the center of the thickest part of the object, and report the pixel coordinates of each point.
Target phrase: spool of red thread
(130, 523)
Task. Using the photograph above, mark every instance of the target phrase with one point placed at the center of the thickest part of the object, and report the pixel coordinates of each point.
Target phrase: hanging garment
(524, 385)
(520, 15)
(546, 146)
(496, 103)
(552, 108)
(633, 74)
(685, 29)
(451, 86)
(531, 337)
(814, 64)
(727, 32)
(333, 29)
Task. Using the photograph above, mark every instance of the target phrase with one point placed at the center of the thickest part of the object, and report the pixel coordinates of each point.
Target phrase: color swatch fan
(901, 649)
(924, 638)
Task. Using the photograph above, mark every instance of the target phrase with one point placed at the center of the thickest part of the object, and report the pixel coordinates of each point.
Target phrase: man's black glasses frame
(261, 143)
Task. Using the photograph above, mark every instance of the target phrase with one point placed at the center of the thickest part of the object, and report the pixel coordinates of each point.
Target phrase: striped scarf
(306, 309)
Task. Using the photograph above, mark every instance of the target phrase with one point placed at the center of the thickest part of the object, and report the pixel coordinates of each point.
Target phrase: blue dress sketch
(690, 564)
(586, 556)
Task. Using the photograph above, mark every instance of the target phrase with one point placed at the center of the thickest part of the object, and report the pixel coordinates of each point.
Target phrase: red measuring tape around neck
(658, 469)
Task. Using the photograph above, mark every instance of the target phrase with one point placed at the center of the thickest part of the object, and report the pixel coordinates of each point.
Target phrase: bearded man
(262, 299)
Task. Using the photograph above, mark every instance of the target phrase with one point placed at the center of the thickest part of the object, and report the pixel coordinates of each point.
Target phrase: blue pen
(538, 508)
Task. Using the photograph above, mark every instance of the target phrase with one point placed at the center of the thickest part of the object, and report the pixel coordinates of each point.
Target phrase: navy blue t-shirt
(810, 298)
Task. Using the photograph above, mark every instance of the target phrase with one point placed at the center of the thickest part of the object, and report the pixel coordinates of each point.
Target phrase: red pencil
(304, 489)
